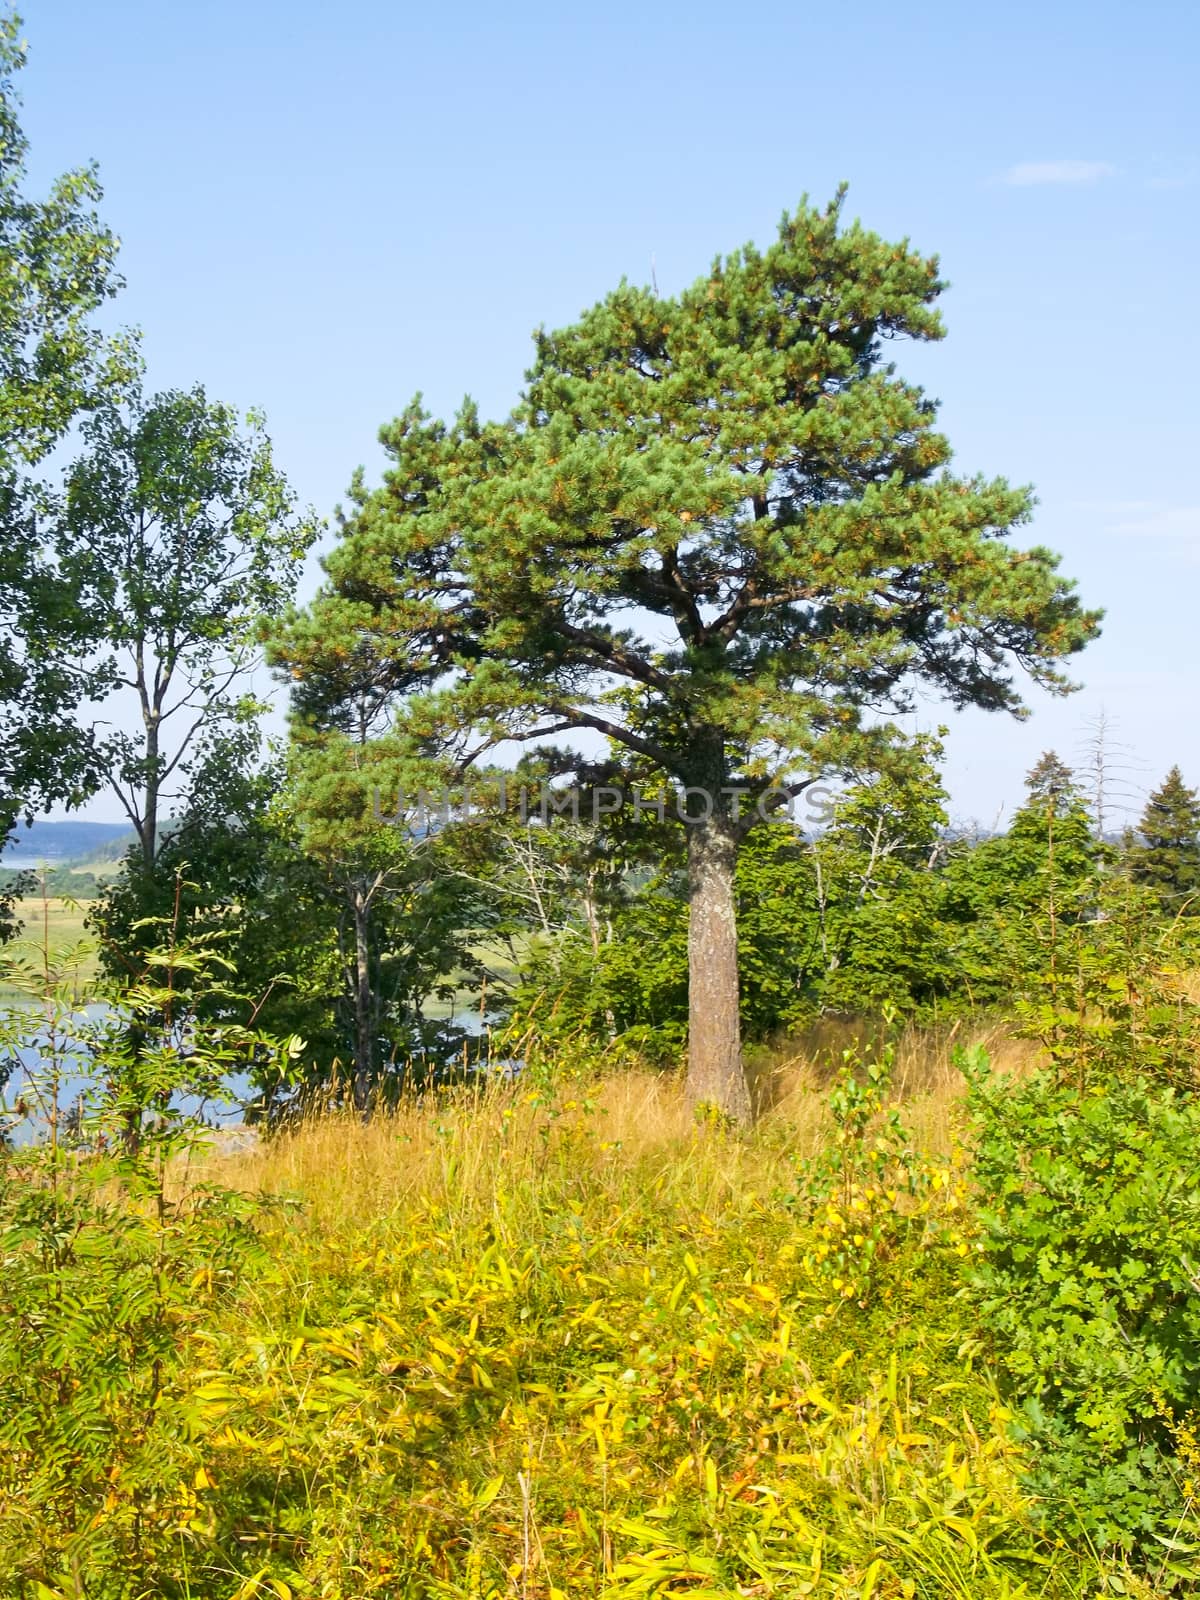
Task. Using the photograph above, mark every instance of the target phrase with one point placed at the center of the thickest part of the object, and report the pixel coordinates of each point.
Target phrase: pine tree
(1050, 783)
(1011, 894)
(1168, 859)
(718, 530)
(1051, 839)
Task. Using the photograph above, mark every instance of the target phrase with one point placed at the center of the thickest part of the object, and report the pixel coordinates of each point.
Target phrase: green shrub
(111, 1259)
(1090, 1286)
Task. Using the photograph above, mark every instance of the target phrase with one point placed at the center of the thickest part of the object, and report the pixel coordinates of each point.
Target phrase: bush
(1090, 1286)
(111, 1260)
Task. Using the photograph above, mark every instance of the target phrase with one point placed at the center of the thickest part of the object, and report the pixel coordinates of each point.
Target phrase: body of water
(76, 1079)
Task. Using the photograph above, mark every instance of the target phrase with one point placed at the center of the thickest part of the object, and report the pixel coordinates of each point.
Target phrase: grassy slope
(545, 1345)
(537, 1341)
(53, 928)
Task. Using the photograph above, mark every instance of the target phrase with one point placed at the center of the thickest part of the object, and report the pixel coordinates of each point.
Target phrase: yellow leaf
(249, 1589)
(964, 1529)
(333, 1348)
(489, 1492)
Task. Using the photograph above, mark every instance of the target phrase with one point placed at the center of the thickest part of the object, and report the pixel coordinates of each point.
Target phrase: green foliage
(632, 985)
(698, 460)
(648, 507)
(229, 869)
(1006, 898)
(1167, 857)
(780, 961)
(14, 886)
(56, 271)
(877, 1210)
(111, 1265)
(1091, 1224)
(632, 990)
(103, 1285)
(1090, 1194)
(1115, 999)
(882, 908)
(405, 919)
(65, 882)
(240, 870)
(178, 533)
(879, 892)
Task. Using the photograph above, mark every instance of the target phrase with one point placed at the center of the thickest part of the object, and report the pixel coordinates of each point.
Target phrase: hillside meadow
(542, 1338)
(55, 938)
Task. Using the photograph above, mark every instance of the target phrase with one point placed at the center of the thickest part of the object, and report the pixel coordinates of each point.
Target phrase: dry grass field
(555, 1336)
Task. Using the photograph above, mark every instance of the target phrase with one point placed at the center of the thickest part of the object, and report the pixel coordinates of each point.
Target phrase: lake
(74, 1083)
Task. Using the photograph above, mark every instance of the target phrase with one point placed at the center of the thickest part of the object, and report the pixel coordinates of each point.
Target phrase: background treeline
(150, 554)
(887, 907)
(391, 951)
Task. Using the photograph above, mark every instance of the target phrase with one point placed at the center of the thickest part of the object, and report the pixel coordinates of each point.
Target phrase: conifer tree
(1051, 839)
(1011, 894)
(718, 530)
(1168, 858)
(1050, 784)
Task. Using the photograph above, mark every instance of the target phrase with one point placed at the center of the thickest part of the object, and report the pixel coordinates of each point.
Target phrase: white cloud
(1178, 527)
(1027, 173)
(1149, 519)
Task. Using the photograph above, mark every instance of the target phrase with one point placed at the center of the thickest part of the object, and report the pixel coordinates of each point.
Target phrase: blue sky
(325, 209)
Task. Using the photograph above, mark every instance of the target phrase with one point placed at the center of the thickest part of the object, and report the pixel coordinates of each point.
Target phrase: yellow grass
(566, 1265)
(639, 1123)
(540, 1339)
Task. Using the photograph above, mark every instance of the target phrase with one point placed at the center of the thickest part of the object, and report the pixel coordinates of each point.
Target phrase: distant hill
(64, 841)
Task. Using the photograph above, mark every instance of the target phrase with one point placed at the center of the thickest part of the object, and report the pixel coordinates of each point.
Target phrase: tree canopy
(1167, 860)
(178, 534)
(718, 529)
(57, 269)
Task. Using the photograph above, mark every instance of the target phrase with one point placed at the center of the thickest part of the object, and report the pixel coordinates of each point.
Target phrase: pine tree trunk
(715, 1075)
